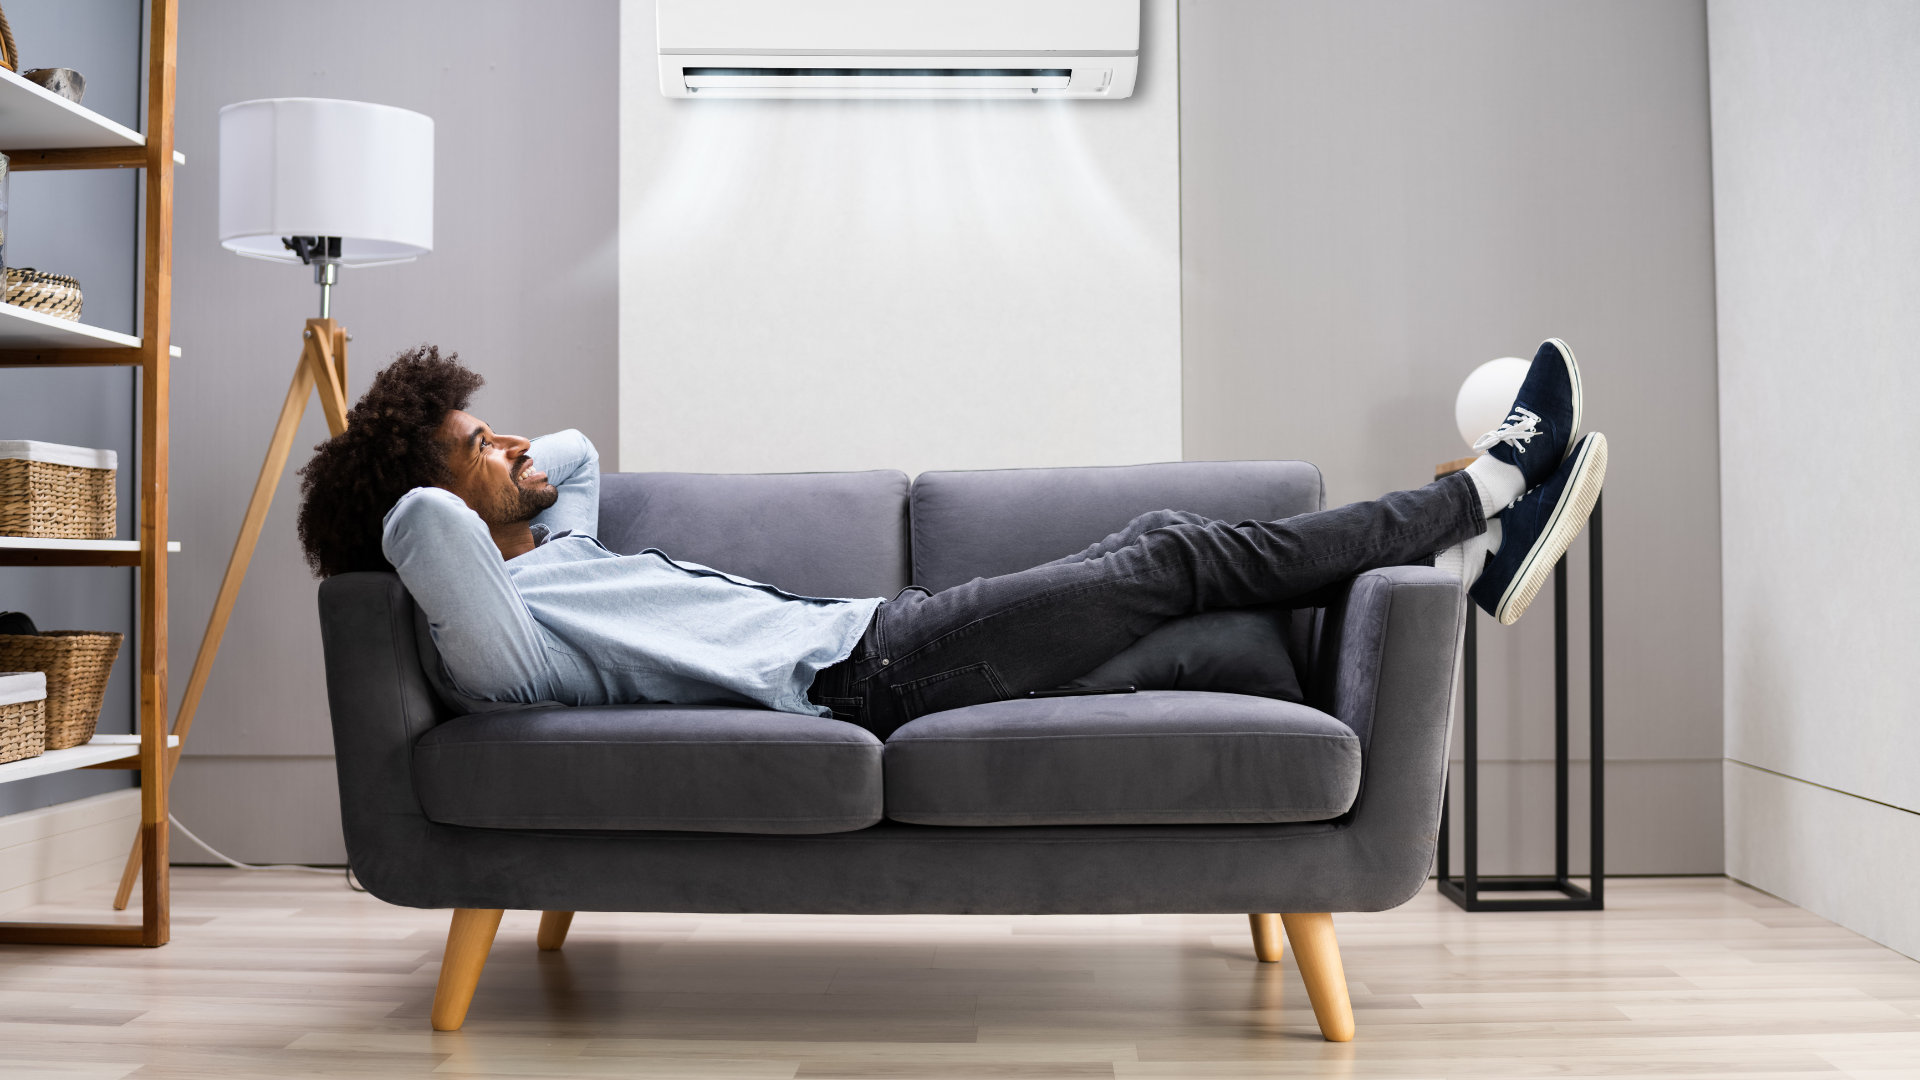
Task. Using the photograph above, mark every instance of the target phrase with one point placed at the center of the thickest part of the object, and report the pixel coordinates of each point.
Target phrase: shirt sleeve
(446, 558)
(573, 466)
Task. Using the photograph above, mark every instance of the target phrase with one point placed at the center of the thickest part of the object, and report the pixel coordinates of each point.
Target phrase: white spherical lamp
(1487, 396)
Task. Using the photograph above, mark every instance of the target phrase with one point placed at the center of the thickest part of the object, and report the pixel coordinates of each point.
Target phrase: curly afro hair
(389, 448)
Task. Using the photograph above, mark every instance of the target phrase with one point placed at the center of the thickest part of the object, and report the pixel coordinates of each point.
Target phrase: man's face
(493, 472)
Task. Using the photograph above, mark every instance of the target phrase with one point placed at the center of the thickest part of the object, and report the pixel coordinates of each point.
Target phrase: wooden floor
(285, 975)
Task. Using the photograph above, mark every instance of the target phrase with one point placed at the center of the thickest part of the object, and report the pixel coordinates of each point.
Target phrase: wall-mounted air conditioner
(1020, 49)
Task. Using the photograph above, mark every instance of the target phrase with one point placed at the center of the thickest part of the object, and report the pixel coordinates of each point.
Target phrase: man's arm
(448, 561)
(572, 466)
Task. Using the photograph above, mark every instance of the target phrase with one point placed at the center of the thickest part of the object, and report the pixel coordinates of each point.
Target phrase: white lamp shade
(321, 167)
(1487, 396)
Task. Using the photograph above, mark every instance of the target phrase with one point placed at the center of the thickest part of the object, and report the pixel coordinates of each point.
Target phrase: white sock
(1466, 559)
(1498, 482)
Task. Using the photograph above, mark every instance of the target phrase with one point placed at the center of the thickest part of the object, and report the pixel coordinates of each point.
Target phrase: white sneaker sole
(1569, 517)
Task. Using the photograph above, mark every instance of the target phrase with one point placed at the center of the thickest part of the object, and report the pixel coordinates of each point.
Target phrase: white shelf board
(100, 748)
(35, 543)
(32, 118)
(23, 329)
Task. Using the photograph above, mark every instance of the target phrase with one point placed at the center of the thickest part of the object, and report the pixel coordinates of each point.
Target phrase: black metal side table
(1465, 891)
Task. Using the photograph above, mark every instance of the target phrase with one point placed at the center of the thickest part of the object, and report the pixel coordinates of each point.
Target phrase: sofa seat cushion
(1172, 757)
(684, 767)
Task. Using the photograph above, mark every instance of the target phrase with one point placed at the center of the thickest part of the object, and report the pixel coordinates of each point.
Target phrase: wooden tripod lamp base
(322, 366)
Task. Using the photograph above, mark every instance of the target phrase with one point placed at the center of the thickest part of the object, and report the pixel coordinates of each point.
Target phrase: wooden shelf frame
(153, 355)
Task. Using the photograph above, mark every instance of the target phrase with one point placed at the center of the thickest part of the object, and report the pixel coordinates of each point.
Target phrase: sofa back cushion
(980, 524)
(815, 534)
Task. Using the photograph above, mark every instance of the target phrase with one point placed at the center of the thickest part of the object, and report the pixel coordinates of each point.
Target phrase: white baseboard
(1842, 857)
(47, 855)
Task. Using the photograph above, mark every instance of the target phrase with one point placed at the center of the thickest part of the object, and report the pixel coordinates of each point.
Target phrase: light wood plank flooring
(286, 975)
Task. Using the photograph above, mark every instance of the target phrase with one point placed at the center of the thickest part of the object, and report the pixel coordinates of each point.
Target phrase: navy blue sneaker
(1537, 529)
(1539, 432)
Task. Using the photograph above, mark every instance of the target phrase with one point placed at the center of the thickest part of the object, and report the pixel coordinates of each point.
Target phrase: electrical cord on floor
(238, 865)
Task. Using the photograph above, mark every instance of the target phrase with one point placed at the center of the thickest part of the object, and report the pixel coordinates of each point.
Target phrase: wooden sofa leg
(1267, 942)
(469, 939)
(1318, 953)
(553, 929)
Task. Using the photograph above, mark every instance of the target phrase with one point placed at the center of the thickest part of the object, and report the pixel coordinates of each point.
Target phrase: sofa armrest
(381, 703)
(1387, 668)
(1403, 621)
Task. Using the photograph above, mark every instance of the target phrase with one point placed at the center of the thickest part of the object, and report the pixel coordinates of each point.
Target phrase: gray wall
(521, 283)
(84, 224)
(1378, 197)
(1816, 153)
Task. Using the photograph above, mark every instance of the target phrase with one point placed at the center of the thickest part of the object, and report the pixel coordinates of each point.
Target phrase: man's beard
(517, 504)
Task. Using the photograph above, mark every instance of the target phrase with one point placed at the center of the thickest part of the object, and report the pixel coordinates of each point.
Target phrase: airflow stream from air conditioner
(1032, 49)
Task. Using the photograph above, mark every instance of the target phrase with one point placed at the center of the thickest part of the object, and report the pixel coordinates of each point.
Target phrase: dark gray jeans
(996, 638)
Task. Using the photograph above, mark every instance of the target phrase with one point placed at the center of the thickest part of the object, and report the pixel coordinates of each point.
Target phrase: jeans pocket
(975, 684)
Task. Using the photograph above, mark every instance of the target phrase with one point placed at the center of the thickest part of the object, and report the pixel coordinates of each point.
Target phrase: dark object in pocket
(1243, 651)
(1084, 691)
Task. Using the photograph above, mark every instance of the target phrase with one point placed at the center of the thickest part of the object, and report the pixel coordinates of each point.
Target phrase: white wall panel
(48, 854)
(1816, 143)
(813, 285)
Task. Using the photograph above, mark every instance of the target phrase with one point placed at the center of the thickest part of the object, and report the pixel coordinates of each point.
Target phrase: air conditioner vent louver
(820, 79)
(865, 73)
(946, 48)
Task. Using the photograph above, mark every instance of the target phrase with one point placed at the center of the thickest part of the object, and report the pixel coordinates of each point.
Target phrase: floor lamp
(328, 184)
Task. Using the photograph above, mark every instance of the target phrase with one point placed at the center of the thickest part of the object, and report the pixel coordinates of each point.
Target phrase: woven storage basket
(77, 663)
(23, 724)
(46, 493)
(49, 294)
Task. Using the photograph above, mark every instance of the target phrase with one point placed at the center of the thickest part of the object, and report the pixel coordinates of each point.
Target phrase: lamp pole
(323, 254)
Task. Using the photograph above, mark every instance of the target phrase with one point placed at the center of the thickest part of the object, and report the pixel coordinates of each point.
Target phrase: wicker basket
(23, 723)
(54, 492)
(49, 294)
(77, 663)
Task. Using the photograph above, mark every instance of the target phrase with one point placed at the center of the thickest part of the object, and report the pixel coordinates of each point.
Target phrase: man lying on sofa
(494, 537)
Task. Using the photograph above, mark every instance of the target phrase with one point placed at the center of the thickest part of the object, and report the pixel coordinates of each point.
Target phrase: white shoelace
(1520, 427)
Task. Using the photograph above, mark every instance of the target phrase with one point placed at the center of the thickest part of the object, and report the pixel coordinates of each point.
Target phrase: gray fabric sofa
(1161, 801)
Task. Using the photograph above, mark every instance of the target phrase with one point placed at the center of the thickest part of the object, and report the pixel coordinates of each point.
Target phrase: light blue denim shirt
(575, 623)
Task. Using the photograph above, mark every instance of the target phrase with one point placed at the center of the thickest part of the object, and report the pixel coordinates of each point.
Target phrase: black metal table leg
(1465, 891)
(1597, 693)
